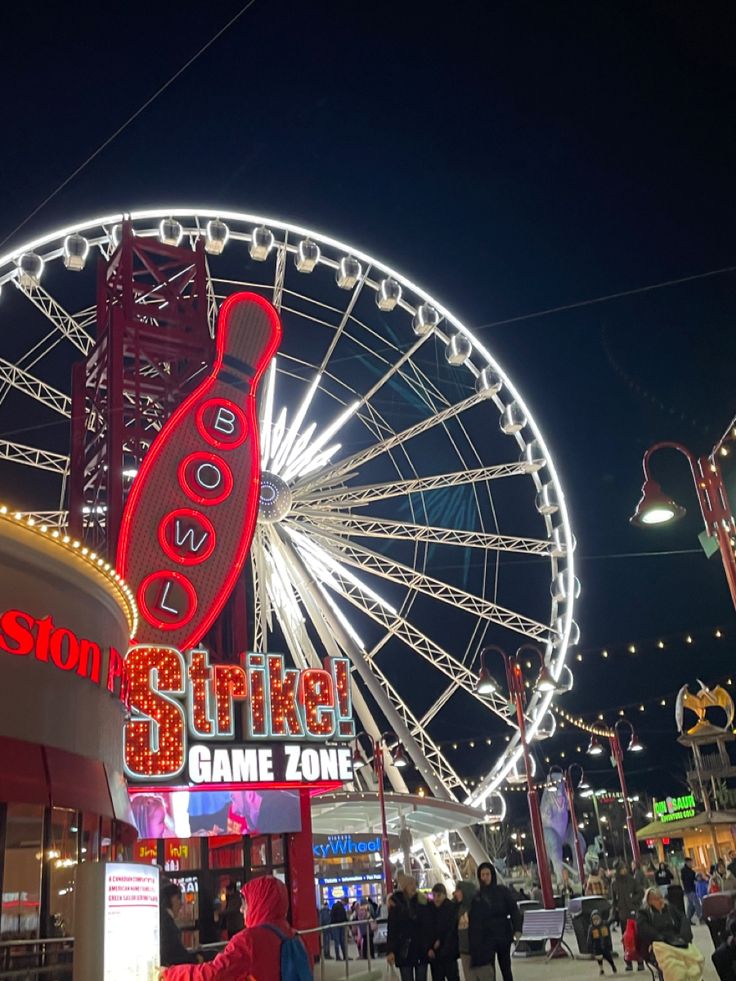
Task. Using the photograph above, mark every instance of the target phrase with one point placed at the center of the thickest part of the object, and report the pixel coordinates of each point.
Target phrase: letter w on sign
(189, 518)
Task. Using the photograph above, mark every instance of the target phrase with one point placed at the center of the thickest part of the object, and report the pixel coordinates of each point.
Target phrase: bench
(546, 924)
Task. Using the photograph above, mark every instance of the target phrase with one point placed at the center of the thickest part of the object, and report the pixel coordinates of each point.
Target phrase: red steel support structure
(515, 682)
(153, 342)
(385, 851)
(570, 792)
(618, 758)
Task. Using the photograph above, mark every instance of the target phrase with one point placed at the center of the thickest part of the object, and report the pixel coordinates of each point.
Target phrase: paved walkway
(525, 968)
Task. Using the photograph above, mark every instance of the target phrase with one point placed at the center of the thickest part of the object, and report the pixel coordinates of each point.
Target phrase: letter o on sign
(205, 478)
(64, 649)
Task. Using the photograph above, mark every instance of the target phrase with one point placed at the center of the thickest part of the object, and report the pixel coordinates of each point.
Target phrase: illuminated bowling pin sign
(189, 519)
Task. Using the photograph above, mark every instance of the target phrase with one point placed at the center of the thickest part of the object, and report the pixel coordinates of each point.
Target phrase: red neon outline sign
(248, 335)
(195, 558)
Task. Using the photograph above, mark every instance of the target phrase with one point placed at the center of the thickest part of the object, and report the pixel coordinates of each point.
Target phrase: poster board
(117, 917)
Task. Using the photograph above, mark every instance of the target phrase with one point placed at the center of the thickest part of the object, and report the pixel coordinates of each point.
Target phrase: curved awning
(359, 812)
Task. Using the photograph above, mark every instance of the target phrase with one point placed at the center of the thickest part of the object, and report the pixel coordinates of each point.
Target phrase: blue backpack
(294, 959)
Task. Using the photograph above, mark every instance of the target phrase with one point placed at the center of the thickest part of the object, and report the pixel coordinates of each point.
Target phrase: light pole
(545, 682)
(570, 787)
(399, 760)
(595, 748)
(656, 508)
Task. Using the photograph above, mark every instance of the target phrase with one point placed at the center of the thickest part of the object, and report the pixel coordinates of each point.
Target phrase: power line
(607, 297)
(130, 119)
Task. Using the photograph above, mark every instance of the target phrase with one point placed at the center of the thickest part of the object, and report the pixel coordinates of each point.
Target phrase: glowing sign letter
(154, 738)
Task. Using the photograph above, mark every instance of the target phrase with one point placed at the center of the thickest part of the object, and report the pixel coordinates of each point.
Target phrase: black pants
(605, 955)
(444, 970)
(503, 955)
(418, 973)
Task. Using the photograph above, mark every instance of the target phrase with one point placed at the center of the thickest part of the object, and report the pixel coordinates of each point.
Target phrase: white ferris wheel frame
(50, 247)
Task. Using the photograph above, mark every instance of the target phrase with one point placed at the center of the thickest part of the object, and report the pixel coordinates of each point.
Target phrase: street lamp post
(570, 788)
(515, 682)
(656, 508)
(378, 747)
(618, 756)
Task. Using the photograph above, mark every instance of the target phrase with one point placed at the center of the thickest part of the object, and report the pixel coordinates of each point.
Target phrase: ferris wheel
(410, 510)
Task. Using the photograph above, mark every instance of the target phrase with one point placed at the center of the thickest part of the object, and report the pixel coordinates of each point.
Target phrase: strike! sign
(183, 706)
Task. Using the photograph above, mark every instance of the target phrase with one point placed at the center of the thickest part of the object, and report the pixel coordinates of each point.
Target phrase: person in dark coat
(233, 912)
(173, 950)
(410, 935)
(501, 919)
(444, 953)
(663, 877)
(600, 944)
(724, 956)
(338, 916)
(626, 894)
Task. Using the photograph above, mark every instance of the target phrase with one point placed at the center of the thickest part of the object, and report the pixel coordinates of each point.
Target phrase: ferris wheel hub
(275, 498)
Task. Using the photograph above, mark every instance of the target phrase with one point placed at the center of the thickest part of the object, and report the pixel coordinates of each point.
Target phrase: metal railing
(354, 968)
(48, 959)
(328, 936)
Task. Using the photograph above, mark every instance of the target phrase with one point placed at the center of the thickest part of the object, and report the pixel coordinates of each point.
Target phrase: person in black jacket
(501, 918)
(173, 950)
(338, 916)
(410, 931)
(444, 952)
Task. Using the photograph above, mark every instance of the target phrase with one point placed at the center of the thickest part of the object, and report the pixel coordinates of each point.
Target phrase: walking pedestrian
(473, 936)
(409, 936)
(504, 921)
(600, 944)
(325, 935)
(693, 905)
(339, 916)
(444, 952)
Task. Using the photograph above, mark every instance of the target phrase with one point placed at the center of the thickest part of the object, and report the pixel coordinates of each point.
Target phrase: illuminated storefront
(348, 866)
(65, 621)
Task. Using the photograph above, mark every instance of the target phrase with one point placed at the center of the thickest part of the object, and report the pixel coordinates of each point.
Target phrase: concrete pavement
(525, 968)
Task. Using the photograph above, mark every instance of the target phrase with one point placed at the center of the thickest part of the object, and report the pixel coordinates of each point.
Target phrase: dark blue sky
(511, 157)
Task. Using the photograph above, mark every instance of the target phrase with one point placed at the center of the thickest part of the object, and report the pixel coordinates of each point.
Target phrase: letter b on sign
(222, 423)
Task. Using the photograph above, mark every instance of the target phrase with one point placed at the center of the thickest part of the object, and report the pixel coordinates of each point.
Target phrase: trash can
(580, 909)
(527, 948)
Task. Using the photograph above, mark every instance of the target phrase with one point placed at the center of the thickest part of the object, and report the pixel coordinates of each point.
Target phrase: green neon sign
(674, 808)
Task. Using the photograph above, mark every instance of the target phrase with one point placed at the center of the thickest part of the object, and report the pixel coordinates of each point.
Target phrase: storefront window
(90, 850)
(182, 854)
(259, 852)
(21, 897)
(226, 852)
(277, 850)
(144, 851)
(61, 861)
(107, 849)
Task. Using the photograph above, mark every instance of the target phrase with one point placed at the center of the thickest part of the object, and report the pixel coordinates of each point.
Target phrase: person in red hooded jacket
(255, 950)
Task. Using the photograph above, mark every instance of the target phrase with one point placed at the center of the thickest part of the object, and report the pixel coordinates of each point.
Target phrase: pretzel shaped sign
(190, 516)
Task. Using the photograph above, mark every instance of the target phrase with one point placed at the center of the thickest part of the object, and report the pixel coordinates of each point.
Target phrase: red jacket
(254, 951)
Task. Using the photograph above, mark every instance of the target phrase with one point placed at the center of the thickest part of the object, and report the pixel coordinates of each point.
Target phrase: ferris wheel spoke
(330, 571)
(261, 608)
(33, 457)
(369, 493)
(364, 527)
(62, 321)
(345, 319)
(404, 575)
(28, 384)
(369, 453)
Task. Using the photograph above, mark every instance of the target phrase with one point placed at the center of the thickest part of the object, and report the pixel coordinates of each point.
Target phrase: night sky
(510, 157)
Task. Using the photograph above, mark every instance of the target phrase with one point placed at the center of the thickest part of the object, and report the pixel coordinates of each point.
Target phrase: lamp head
(654, 507)
(486, 683)
(635, 744)
(594, 747)
(546, 681)
(399, 756)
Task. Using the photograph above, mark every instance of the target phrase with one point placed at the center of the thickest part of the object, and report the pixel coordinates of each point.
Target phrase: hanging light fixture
(594, 747)
(654, 507)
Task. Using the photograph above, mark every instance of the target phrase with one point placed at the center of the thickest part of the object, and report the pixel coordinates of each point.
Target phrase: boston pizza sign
(191, 513)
